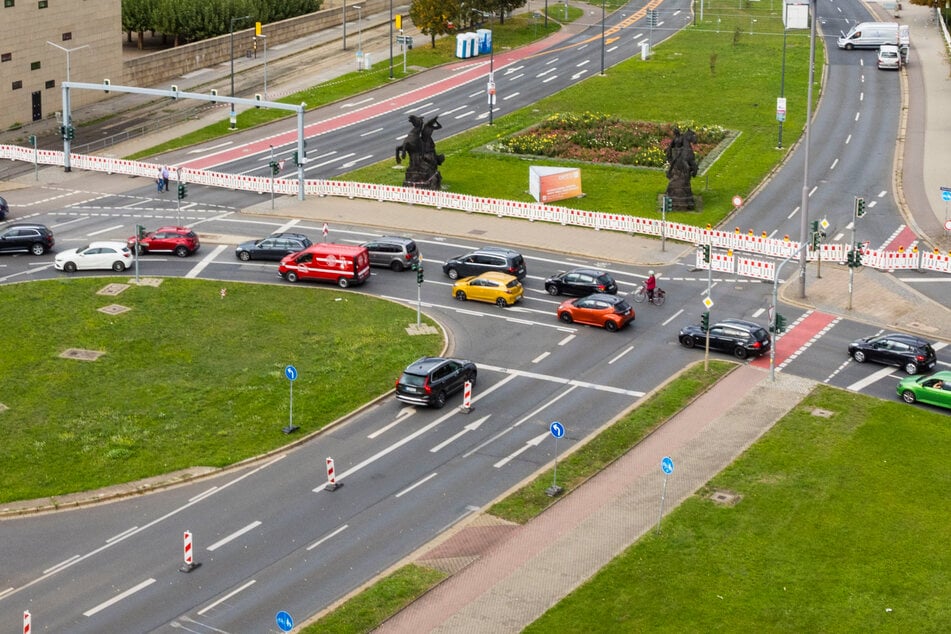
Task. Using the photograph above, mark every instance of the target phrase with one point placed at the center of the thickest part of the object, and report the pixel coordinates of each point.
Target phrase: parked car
(934, 389)
(889, 56)
(486, 259)
(4, 208)
(393, 252)
(273, 247)
(31, 238)
(430, 380)
(910, 353)
(95, 255)
(606, 311)
(492, 287)
(181, 241)
(581, 282)
(739, 337)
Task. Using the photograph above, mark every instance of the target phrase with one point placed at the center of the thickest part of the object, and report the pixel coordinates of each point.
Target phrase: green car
(934, 389)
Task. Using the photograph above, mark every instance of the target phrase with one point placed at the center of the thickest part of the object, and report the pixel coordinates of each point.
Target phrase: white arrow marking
(470, 427)
(534, 442)
(406, 412)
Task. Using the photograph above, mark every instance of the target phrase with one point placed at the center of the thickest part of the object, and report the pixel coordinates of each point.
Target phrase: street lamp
(391, 39)
(264, 37)
(804, 205)
(234, 116)
(782, 89)
(67, 111)
(602, 38)
(359, 36)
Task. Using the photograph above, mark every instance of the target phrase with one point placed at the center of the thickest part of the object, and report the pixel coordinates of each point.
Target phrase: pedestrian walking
(158, 180)
(165, 177)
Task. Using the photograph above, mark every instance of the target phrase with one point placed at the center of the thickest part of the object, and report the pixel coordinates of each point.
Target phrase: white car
(889, 57)
(95, 255)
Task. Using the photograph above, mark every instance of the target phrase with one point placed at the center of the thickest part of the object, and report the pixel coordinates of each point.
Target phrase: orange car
(607, 311)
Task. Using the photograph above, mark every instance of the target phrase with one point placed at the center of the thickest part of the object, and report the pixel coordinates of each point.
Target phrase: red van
(342, 264)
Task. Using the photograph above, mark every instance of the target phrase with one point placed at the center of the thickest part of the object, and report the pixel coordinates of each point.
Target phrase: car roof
(604, 297)
(588, 271)
(27, 225)
(900, 336)
(285, 234)
(495, 275)
(109, 243)
(396, 239)
(173, 228)
(424, 364)
(742, 323)
(505, 250)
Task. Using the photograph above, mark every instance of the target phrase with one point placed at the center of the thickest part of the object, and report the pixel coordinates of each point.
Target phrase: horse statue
(424, 162)
(681, 167)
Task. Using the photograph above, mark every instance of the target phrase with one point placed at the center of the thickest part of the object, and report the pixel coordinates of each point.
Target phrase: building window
(34, 65)
(51, 83)
(6, 57)
(42, 4)
(7, 4)
(67, 36)
(17, 85)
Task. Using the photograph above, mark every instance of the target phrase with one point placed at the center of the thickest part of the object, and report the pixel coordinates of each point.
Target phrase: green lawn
(842, 527)
(189, 378)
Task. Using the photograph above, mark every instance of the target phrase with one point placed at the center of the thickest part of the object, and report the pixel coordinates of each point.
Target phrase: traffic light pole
(772, 348)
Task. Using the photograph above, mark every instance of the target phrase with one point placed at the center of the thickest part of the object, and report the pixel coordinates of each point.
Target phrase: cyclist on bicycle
(650, 285)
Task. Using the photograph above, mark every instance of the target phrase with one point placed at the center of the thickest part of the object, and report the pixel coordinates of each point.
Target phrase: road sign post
(667, 466)
(557, 430)
(291, 373)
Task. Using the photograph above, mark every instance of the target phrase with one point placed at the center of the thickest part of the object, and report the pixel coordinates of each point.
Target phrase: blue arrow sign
(290, 372)
(667, 465)
(557, 429)
(284, 621)
(946, 196)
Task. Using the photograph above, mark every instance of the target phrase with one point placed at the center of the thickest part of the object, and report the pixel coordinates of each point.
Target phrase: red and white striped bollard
(332, 483)
(189, 554)
(467, 397)
(27, 622)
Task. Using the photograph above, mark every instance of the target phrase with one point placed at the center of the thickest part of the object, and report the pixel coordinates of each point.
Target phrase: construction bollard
(332, 484)
(27, 622)
(190, 563)
(467, 398)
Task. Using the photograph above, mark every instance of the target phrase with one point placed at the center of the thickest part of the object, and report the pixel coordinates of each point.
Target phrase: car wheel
(911, 368)
(397, 266)
(740, 352)
(70, 267)
(461, 296)
(343, 282)
(244, 256)
(687, 341)
(440, 399)
(501, 303)
(565, 317)
(37, 249)
(181, 251)
(552, 289)
(859, 356)
(291, 276)
(118, 266)
(453, 274)
(472, 378)
(610, 326)
(908, 396)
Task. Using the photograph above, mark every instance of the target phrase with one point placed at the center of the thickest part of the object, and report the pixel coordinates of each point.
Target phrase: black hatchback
(910, 353)
(486, 259)
(274, 247)
(430, 380)
(580, 283)
(739, 337)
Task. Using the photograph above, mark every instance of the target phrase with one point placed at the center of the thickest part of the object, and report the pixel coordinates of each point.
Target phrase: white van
(869, 35)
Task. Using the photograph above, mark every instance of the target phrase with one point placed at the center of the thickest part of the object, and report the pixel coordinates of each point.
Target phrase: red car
(607, 311)
(181, 241)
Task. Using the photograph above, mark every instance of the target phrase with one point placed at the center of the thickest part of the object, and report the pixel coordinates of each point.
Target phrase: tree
(435, 17)
(137, 17)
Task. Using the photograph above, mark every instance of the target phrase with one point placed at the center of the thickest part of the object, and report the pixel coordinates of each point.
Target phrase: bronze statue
(423, 169)
(681, 167)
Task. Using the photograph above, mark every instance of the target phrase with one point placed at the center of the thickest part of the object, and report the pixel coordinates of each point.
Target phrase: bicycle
(660, 296)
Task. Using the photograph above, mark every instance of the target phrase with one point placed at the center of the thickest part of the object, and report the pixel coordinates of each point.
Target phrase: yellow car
(493, 287)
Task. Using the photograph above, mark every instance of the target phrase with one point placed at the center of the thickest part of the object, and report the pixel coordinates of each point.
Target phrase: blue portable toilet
(485, 41)
(472, 44)
(461, 46)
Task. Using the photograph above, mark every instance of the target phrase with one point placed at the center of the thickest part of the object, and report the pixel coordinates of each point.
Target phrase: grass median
(192, 375)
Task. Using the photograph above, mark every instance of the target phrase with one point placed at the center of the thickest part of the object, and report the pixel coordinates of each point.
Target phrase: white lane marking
(540, 357)
(61, 564)
(119, 597)
(238, 533)
(354, 104)
(673, 317)
(872, 378)
(507, 97)
(212, 606)
(465, 430)
(621, 354)
(208, 259)
(566, 340)
(373, 131)
(203, 494)
(6, 592)
(122, 534)
(533, 442)
(102, 231)
(404, 413)
(326, 537)
(758, 313)
(209, 149)
(421, 482)
(563, 381)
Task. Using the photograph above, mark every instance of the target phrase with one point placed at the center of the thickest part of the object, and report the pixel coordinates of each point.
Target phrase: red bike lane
(797, 338)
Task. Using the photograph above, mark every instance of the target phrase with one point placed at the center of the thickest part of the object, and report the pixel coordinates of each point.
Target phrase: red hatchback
(181, 241)
(607, 311)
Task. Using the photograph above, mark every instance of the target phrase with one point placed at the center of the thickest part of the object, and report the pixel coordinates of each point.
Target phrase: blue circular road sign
(284, 621)
(290, 372)
(946, 196)
(667, 465)
(557, 429)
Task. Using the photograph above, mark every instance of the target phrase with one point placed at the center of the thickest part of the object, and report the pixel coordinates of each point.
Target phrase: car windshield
(413, 379)
(759, 334)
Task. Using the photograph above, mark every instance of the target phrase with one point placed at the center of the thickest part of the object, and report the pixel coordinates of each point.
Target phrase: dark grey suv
(910, 353)
(31, 238)
(486, 259)
(430, 380)
(4, 208)
(739, 337)
(393, 252)
(274, 247)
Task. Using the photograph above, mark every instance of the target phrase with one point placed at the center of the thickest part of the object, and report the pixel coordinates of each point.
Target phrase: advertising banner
(548, 184)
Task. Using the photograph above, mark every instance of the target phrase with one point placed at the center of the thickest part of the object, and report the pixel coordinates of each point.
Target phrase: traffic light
(70, 133)
(857, 256)
(105, 85)
(33, 140)
(182, 190)
(850, 258)
(705, 320)
(275, 168)
(668, 204)
(140, 231)
(257, 97)
(816, 239)
(780, 325)
(706, 253)
(419, 275)
(214, 93)
(859, 206)
(296, 159)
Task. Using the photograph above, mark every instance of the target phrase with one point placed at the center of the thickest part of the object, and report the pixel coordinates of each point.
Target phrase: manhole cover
(148, 281)
(112, 289)
(421, 329)
(726, 498)
(114, 309)
(81, 354)
(822, 413)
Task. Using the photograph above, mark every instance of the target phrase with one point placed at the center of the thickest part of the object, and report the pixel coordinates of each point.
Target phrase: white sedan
(96, 255)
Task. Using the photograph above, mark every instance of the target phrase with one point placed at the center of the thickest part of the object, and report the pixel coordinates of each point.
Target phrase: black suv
(35, 239)
(581, 282)
(273, 247)
(486, 259)
(912, 354)
(740, 337)
(394, 252)
(429, 380)
(4, 208)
